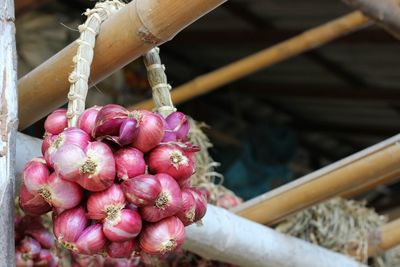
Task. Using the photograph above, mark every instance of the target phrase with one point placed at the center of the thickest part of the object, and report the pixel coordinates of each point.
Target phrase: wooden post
(308, 40)
(385, 12)
(363, 168)
(135, 29)
(8, 128)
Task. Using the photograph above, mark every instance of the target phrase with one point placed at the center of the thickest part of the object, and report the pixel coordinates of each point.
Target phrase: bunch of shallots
(34, 243)
(118, 183)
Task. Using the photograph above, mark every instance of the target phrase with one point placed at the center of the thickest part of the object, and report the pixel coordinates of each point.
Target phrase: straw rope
(79, 77)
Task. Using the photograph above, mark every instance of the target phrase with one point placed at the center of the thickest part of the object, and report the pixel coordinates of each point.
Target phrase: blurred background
(272, 126)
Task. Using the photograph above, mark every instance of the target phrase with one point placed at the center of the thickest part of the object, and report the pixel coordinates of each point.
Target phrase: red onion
(87, 120)
(92, 240)
(98, 172)
(142, 190)
(187, 213)
(201, 203)
(169, 135)
(71, 136)
(56, 122)
(129, 162)
(42, 235)
(109, 120)
(106, 204)
(29, 247)
(61, 193)
(31, 204)
(163, 236)
(127, 132)
(21, 260)
(179, 124)
(46, 259)
(35, 175)
(150, 130)
(168, 202)
(93, 169)
(47, 140)
(172, 159)
(68, 226)
(121, 249)
(125, 226)
(228, 201)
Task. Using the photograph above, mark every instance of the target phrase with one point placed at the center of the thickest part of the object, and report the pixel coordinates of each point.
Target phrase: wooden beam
(385, 238)
(349, 173)
(138, 27)
(267, 57)
(8, 129)
(385, 12)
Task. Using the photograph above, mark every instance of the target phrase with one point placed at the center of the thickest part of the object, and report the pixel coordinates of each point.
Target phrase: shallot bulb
(46, 259)
(31, 204)
(179, 124)
(106, 204)
(56, 122)
(121, 249)
(70, 136)
(162, 237)
(187, 213)
(35, 175)
(172, 159)
(109, 120)
(129, 162)
(42, 235)
(29, 247)
(87, 120)
(150, 130)
(228, 201)
(167, 203)
(93, 167)
(92, 240)
(169, 135)
(200, 200)
(142, 190)
(68, 226)
(22, 260)
(126, 225)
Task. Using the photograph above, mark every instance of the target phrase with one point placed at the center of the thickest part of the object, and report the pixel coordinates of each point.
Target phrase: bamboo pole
(362, 168)
(135, 29)
(8, 129)
(308, 40)
(227, 237)
(386, 13)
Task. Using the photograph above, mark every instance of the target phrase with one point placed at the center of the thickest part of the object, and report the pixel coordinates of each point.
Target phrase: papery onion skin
(68, 226)
(129, 163)
(106, 203)
(126, 226)
(98, 172)
(109, 120)
(168, 202)
(142, 190)
(35, 175)
(121, 249)
(187, 213)
(87, 120)
(150, 130)
(173, 160)
(162, 237)
(127, 131)
(31, 204)
(92, 240)
(56, 122)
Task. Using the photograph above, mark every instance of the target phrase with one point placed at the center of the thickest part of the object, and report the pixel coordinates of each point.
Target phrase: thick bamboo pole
(362, 168)
(135, 29)
(227, 237)
(8, 129)
(308, 40)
